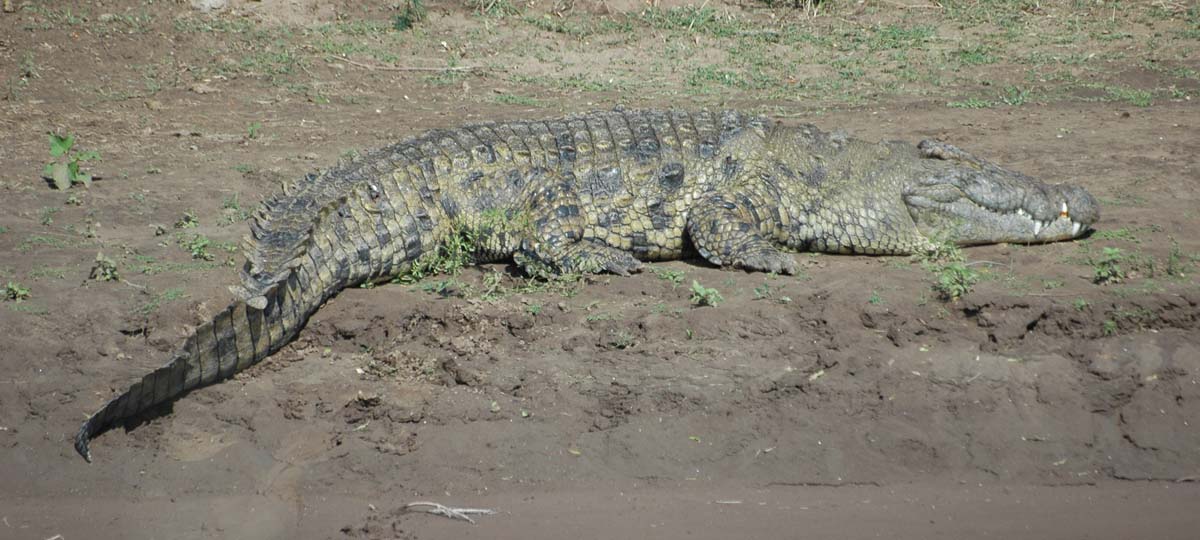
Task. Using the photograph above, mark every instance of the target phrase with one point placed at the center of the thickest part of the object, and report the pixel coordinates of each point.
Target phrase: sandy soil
(846, 402)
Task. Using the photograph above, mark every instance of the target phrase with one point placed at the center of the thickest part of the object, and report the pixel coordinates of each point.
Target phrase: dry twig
(443, 510)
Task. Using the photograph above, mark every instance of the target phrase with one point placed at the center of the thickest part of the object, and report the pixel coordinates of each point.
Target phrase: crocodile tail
(236, 338)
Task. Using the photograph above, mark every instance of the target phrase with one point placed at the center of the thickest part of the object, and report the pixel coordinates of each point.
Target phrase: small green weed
(705, 296)
(198, 247)
(104, 269)
(65, 170)
(673, 276)
(412, 13)
(158, 300)
(16, 292)
(1080, 304)
(188, 221)
(874, 299)
(1109, 327)
(1109, 266)
(955, 280)
(1015, 96)
(48, 215)
(621, 339)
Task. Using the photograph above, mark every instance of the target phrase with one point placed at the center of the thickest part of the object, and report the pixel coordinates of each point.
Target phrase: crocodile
(602, 191)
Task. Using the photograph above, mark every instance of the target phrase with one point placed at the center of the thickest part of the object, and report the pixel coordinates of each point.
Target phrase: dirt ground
(1057, 398)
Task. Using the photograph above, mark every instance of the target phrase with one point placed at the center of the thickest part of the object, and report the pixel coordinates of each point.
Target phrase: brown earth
(846, 402)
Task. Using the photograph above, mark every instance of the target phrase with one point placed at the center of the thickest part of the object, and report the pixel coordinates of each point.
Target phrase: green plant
(874, 299)
(1015, 96)
(15, 292)
(198, 247)
(673, 276)
(533, 309)
(48, 215)
(1080, 304)
(620, 339)
(104, 269)
(188, 221)
(252, 131)
(1177, 266)
(1109, 327)
(954, 280)
(1109, 267)
(762, 291)
(65, 169)
(413, 12)
(704, 296)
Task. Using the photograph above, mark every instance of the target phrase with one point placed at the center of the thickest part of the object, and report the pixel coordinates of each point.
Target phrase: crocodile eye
(374, 191)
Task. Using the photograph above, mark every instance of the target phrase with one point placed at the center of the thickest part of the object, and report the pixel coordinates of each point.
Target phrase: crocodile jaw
(1044, 214)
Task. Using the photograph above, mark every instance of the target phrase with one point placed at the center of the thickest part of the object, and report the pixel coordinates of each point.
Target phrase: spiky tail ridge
(236, 338)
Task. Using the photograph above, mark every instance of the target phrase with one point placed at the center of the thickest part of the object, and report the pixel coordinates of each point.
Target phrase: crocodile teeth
(1037, 227)
(1064, 212)
(1020, 212)
(1075, 226)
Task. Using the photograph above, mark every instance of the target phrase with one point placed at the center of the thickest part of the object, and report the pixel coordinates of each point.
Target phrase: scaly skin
(599, 192)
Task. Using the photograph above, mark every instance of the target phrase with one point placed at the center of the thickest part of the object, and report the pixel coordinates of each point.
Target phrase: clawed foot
(767, 260)
(586, 258)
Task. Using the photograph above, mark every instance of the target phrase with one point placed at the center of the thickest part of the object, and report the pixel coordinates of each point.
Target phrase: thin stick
(452, 513)
(410, 68)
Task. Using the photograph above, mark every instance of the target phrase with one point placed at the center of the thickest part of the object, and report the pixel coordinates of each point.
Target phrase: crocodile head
(967, 200)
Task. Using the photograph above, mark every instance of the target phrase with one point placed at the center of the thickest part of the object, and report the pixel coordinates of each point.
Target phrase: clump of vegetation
(705, 296)
(188, 221)
(198, 247)
(66, 169)
(104, 269)
(955, 280)
(1109, 267)
(621, 339)
(412, 13)
(16, 292)
(675, 277)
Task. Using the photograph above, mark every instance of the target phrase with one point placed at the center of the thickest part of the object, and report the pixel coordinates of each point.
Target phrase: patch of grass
(1015, 96)
(16, 292)
(675, 277)
(514, 99)
(1080, 304)
(975, 55)
(493, 8)
(1108, 327)
(874, 299)
(169, 295)
(34, 241)
(48, 215)
(692, 19)
(971, 103)
(232, 211)
(620, 339)
(1132, 96)
(705, 296)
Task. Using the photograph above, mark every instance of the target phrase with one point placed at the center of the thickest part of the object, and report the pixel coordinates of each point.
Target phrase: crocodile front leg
(730, 229)
(555, 243)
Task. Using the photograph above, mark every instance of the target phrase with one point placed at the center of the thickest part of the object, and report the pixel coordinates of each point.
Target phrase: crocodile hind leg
(555, 242)
(730, 229)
